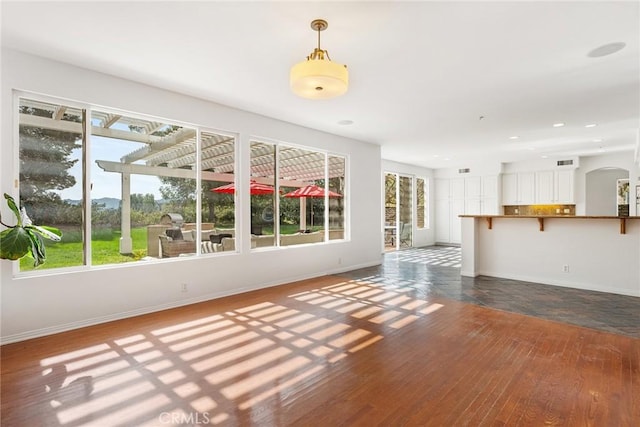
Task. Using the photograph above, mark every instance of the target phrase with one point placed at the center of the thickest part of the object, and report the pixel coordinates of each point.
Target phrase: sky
(107, 184)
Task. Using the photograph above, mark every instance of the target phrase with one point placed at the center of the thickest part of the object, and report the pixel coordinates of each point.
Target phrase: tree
(45, 160)
(143, 202)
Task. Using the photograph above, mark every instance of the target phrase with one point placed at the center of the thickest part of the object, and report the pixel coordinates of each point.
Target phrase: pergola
(169, 150)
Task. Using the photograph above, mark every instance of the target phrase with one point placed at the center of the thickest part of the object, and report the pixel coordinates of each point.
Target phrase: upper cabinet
(545, 194)
(555, 187)
(518, 188)
(540, 188)
(564, 185)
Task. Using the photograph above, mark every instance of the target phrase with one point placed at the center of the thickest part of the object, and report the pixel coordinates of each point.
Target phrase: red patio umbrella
(314, 191)
(255, 189)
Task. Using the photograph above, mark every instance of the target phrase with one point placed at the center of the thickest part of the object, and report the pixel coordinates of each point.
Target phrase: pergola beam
(162, 144)
(110, 120)
(109, 166)
(59, 112)
(126, 168)
(74, 127)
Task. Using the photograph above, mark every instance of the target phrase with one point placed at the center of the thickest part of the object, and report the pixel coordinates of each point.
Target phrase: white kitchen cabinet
(473, 206)
(456, 188)
(518, 188)
(472, 195)
(443, 221)
(510, 189)
(565, 187)
(472, 187)
(545, 194)
(554, 187)
(457, 208)
(526, 188)
(490, 187)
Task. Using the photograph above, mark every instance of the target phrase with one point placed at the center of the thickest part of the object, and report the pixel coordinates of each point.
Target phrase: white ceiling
(436, 84)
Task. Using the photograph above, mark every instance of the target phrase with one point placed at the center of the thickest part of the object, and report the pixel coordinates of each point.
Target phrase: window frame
(238, 166)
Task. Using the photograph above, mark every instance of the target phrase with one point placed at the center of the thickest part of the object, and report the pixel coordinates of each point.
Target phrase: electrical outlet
(565, 268)
(184, 287)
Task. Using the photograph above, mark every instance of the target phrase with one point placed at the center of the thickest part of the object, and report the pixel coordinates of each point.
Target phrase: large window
(134, 177)
(125, 188)
(309, 207)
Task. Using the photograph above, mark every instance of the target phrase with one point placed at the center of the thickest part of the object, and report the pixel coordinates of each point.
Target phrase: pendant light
(318, 77)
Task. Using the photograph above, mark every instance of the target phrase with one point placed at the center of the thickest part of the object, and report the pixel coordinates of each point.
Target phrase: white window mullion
(276, 216)
(198, 191)
(86, 184)
(326, 197)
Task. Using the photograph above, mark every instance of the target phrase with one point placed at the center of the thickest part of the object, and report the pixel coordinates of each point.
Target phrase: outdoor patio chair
(405, 234)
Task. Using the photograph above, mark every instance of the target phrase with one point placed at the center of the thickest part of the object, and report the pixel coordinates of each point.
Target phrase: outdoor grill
(173, 219)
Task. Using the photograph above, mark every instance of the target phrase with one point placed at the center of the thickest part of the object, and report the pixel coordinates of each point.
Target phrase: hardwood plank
(326, 351)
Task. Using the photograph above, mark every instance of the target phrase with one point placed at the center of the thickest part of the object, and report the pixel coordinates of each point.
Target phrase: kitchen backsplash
(558, 210)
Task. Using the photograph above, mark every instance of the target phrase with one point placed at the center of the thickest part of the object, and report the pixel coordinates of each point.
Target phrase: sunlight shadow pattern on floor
(444, 256)
(243, 357)
(591, 309)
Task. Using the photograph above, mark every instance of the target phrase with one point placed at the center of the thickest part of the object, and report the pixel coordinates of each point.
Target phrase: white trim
(563, 283)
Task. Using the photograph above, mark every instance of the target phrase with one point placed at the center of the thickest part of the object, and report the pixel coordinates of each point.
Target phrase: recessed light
(436, 155)
(597, 140)
(531, 148)
(345, 122)
(544, 157)
(558, 125)
(446, 158)
(514, 137)
(600, 150)
(590, 125)
(606, 49)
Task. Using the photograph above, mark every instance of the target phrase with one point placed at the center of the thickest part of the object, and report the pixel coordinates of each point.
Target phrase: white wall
(622, 160)
(38, 305)
(421, 237)
(601, 191)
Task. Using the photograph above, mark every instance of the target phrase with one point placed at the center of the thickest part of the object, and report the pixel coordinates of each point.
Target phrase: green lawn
(105, 247)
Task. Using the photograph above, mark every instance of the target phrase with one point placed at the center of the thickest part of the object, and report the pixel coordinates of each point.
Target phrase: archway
(601, 190)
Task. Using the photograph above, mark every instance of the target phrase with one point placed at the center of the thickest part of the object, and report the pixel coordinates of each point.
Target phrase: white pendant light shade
(319, 79)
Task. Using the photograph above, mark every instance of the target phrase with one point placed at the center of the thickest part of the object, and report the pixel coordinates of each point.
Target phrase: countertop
(553, 216)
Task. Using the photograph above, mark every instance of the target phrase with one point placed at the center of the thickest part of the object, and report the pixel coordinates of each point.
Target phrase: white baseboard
(562, 283)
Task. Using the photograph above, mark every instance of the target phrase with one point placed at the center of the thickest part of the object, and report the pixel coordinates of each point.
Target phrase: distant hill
(108, 202)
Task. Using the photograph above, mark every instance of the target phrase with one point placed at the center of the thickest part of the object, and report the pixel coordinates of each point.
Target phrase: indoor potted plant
(24, 238)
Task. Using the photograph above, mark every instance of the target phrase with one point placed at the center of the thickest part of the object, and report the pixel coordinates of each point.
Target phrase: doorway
(398, 211)
(602, 191)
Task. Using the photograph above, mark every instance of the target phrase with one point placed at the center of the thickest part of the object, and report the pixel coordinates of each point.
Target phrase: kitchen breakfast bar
(600, 253)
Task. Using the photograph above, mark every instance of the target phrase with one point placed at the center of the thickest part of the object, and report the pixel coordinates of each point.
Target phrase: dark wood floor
(435, 272)
(358, 349)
